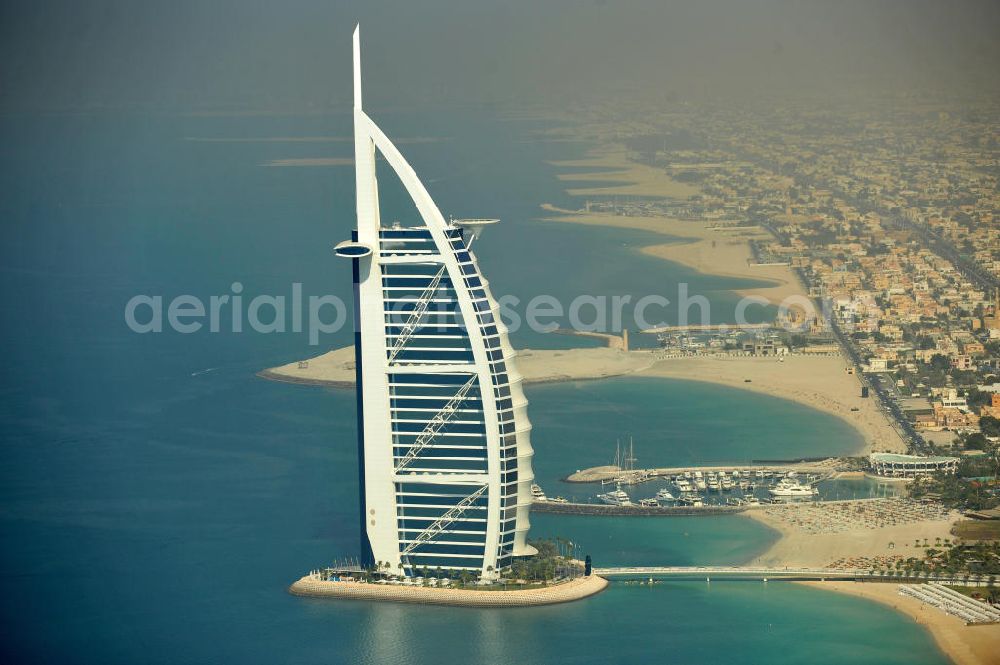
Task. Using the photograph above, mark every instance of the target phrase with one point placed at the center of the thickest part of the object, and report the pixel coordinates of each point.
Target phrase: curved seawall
(576, 589)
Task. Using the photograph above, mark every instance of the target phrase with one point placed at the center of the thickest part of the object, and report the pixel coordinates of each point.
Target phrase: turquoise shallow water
(748, 624)
(672, 423)
(156, 498)
(681, 541)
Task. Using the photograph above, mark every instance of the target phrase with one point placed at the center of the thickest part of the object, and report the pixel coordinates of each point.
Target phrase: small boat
(537, 494)
(665, 495)
(559, 499)
(649, 503)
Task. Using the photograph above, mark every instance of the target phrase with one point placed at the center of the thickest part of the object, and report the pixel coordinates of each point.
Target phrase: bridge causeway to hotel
(764, 573)
(732, 572)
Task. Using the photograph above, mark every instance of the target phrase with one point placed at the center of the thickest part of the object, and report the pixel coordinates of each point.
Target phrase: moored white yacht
(787, 488)
(665, 495)
(616, 497)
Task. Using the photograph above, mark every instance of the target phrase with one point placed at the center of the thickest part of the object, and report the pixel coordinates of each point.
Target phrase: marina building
(443, 435)
(909, 466)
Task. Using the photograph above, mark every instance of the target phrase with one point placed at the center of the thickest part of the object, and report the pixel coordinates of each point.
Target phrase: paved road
(914, 442)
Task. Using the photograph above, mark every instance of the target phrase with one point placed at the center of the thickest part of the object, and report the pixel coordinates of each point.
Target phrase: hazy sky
(295, 54)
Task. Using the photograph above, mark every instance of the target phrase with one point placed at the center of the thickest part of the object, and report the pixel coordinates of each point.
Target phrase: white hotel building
(443, 434)
(909, 466)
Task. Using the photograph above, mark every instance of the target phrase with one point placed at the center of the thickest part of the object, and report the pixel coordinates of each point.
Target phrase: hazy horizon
(184, 56)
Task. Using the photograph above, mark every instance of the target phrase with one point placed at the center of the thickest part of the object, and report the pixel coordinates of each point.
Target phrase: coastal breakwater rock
(574, 589)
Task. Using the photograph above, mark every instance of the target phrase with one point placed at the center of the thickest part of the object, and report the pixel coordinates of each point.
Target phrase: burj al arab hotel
(444, 440)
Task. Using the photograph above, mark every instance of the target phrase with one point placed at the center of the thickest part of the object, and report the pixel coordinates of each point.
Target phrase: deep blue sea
(156, 498)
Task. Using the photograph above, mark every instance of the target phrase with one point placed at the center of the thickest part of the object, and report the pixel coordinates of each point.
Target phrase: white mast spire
(357, 66)
(366, 184)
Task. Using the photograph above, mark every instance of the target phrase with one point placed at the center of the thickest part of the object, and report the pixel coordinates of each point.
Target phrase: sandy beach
(698, 246)
(964, 645)
(865, 534)
(610, 164)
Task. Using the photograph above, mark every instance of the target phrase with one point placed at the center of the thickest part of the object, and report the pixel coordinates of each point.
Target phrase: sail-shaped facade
(444, 440)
